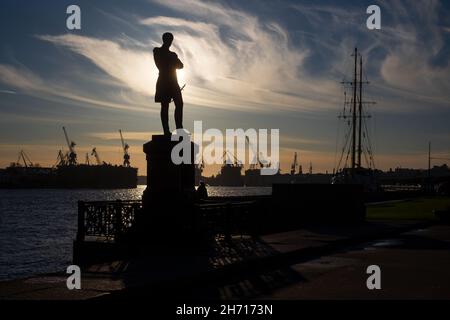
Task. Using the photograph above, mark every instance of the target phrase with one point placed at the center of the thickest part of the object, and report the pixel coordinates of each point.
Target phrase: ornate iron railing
(108, 220)
(226, 218)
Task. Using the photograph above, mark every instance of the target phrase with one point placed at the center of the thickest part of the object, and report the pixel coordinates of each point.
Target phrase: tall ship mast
(357, 146)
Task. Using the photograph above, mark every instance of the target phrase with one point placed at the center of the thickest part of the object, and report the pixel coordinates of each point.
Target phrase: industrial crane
(262, 163)
(26, 160)
(294, 165)
(226, 157)
(255, 155)
(202, 164)
(72, 156)
(61, 159)
(97, 157)
(125, 147)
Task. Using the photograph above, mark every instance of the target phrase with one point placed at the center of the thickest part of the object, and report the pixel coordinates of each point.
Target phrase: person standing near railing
(202, 192)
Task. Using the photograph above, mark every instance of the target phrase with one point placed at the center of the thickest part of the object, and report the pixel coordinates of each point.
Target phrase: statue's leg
(165, 117)
(178, 111)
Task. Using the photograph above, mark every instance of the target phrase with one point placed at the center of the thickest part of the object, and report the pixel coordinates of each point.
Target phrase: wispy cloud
(236, 60)
(128, 136)
(402, 52)
(132, 67)
(27, 82)
(413, 42)
(21, 79)
(7, 91)
(233, 60)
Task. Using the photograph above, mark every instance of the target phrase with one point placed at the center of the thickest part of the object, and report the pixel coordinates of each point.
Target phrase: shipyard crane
(201, 165)
(61, 159)
(72, 156)
(26, 160)
(262, 163)
(23, 159)
(87, 162)
(97, 157)
(225, 156)
(255, 154)
(294, 165)
(125, 147)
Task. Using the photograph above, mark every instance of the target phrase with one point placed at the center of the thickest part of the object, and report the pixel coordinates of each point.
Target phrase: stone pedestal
(169, 197)
(164, 178)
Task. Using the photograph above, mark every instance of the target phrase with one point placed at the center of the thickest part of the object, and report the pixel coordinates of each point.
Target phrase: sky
(248, 64)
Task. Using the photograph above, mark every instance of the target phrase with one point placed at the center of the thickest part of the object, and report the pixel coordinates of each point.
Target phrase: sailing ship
(357, 145)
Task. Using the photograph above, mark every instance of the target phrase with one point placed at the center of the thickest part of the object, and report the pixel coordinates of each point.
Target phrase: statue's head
(167, 39)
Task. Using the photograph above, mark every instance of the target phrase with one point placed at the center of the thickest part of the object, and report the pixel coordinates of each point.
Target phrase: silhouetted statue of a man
(167, 87)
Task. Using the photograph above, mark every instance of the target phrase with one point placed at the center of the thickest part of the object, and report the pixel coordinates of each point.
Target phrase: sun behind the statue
(181, 75)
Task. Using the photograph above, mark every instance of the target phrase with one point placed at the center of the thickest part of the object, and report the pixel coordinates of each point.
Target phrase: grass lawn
(416, 209)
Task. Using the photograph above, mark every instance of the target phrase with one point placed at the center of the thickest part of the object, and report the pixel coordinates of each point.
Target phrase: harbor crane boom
(125, 147)
(26, 160)
(23, 158)
(97, 157)
(225, 156)
(72, 156)
(294, 165)
(255, 154)
(262, 163)
(61, 159)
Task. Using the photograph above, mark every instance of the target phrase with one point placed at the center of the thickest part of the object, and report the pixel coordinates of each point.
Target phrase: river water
(38, 226)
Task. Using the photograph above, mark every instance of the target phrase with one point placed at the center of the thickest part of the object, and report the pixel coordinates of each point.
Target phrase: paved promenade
(312, 263)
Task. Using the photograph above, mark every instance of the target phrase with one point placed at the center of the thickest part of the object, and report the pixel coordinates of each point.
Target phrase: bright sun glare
(181, 75)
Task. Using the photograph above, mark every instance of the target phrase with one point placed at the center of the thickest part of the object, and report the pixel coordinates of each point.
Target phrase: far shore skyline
(112, 153)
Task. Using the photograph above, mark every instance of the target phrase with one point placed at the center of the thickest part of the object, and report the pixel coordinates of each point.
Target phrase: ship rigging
(357, 145)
